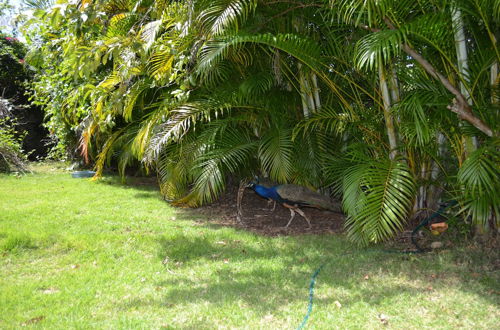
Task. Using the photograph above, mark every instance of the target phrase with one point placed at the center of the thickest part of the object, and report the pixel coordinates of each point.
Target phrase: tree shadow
(147, 184)
(272, 276)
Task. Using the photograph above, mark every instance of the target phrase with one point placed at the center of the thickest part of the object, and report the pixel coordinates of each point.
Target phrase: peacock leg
(269, 201)
(299, 211)
(292, 215)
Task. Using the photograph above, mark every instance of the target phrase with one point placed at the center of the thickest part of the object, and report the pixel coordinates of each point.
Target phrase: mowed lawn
(81, 254)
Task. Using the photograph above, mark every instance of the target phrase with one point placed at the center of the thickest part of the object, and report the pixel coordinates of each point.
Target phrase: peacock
(293, 197)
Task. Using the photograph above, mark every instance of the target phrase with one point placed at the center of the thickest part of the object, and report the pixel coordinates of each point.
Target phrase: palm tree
(200, 91)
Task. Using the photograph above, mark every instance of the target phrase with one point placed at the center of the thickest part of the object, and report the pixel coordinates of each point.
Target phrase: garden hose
(422, 224)
(311, 297)
(426, 221)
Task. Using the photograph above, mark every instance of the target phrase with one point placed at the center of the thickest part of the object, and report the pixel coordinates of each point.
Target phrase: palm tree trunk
(303, 93)
(317, 99)
(422, 196)
(470, 143)
(389, 122)
(309, 94)
(394, 86)
(434, 190)
(494, 82)
(395, 95)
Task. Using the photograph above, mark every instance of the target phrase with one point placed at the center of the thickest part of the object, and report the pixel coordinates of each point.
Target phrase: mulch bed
(258, 216)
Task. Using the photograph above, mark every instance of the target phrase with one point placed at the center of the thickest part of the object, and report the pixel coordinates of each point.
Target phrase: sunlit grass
(81, 254)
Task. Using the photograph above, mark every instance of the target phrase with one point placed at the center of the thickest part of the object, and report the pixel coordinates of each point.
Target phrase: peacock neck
(267, 192)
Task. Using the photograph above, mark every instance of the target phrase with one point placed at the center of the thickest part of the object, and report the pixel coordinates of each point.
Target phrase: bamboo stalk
(317, 99)
(389, 122)
(470, 143)
(303, 95)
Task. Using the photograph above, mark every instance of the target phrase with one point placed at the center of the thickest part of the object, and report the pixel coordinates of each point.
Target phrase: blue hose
(419, 250)
(311, 297)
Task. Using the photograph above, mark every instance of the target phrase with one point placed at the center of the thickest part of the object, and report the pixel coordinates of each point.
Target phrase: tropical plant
(200, 91)
(12, 158)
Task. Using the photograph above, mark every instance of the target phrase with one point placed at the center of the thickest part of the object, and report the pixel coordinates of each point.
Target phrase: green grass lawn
(81, 254)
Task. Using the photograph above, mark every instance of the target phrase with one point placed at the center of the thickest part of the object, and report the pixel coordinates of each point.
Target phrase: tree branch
(460, 105)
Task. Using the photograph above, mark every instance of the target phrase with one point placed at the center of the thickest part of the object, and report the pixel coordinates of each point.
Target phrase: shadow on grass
(271, 276)
(148, 184)
(275, 274)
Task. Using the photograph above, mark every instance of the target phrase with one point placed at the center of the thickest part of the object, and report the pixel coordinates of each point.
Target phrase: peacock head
(253, 183)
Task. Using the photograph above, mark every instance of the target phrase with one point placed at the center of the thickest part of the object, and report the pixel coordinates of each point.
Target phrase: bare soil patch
(259, 217)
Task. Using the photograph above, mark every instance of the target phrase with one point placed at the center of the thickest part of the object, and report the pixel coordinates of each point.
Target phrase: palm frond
(378, 46)
(229, 153)
(303, 49)
(479, 178)
(222, 15)
(386, 202)
(328, 120)
(160, 64)
(181, 119)
(377, 194)
(257, 83)
(149, 32)
(415, 126)
(276, 154)
(121, 24)
(132, 96)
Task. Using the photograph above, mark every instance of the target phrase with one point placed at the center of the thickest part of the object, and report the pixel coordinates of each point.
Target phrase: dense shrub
(12, 158)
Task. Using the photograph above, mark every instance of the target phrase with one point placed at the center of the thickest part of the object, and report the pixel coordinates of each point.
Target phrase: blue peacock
(294, 197)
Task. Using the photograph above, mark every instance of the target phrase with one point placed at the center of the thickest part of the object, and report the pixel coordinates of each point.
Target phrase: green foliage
(377, 194)
(12, 158)
(116, 256)
(12, 70)
(479, 180)
(5, 7)
(203, 90)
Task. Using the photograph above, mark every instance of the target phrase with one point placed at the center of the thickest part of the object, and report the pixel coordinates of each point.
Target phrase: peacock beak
(250, 185)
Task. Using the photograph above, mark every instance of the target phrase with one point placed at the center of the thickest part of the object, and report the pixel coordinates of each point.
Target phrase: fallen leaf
(436, 245)
(50, 290)
(33, 320)
(383, 318)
